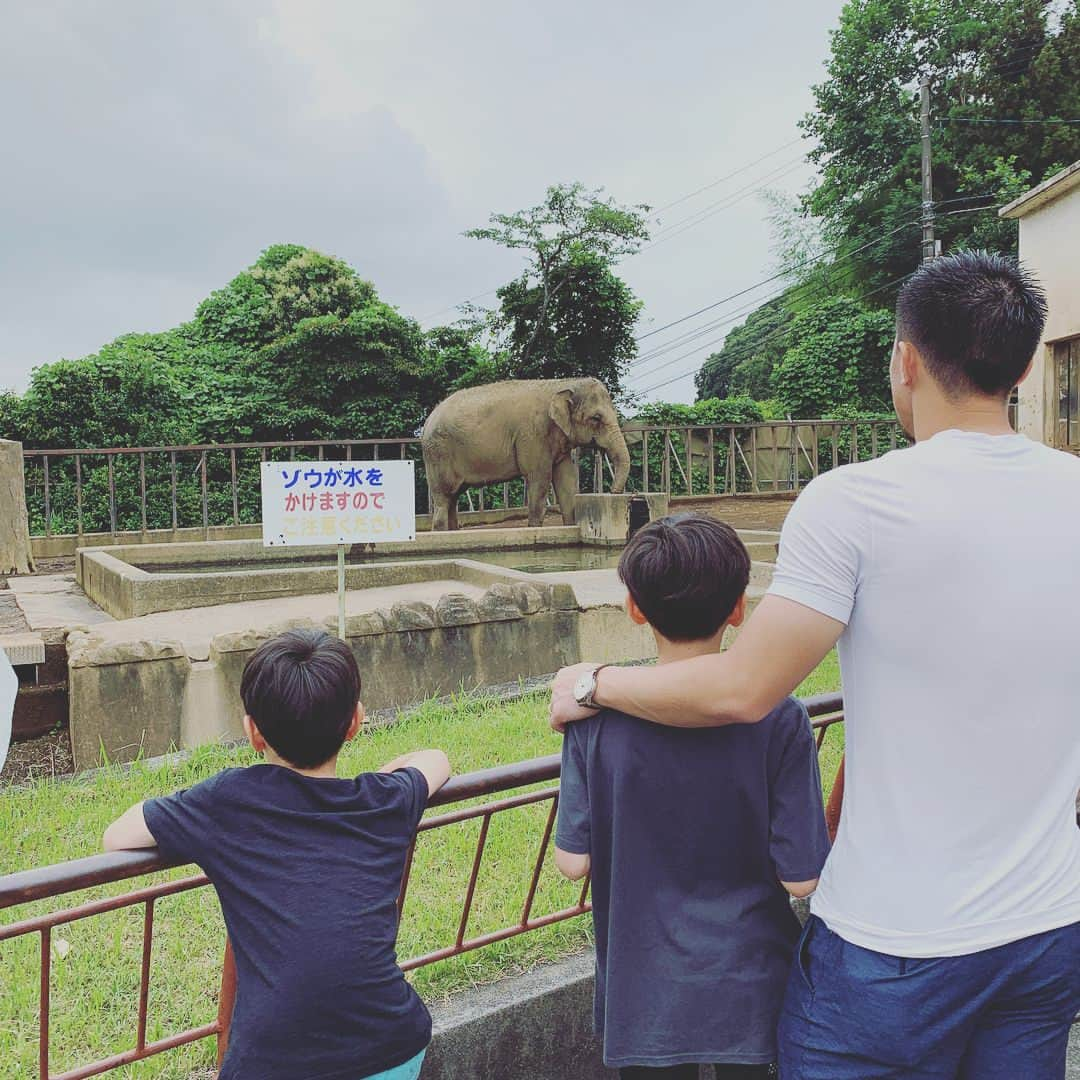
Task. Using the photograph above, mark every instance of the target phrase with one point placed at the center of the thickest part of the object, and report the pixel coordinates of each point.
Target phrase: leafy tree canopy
(987, 60)
(568, 314)
(839, 356)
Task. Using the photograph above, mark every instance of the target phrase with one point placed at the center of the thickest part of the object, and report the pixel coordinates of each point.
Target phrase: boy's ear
(635, 613)
(254, 735)
(738, 612)
(356, 723)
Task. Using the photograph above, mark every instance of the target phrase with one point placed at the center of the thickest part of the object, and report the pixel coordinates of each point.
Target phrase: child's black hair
(686, 574)
(301, 689)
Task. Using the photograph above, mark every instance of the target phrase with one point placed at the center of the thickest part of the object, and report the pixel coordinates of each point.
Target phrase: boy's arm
(571, 865)
(800, 889)
(129, 831)
(798, 837)
(573, 834)
(434, 765)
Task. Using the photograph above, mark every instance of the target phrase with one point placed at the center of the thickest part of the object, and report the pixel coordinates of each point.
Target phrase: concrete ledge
(536, 1026)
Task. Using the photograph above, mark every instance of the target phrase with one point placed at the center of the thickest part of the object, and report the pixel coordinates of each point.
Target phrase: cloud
(156, 149)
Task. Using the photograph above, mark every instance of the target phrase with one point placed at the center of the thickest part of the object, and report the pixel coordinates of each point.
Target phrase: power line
(775, 333)
(737, 172)
(784, 272)
(996, 120)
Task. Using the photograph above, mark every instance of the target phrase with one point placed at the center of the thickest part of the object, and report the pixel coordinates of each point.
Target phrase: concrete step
(24, 648)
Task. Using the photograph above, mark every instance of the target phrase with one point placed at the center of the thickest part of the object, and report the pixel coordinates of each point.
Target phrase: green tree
(584, 325)
(570, 241)
(753, 349)
(839, 357)
(127, 394)
(287, 284)
(987, 60)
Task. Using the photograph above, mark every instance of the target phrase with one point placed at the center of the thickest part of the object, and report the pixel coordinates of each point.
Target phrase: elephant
(522, 427)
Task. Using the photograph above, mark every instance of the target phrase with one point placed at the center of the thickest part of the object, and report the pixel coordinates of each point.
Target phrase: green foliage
(286, 285)
(568, 314)
(986, 59)
(128, 394)
(588, 327)
(839, 356)
(752, 349)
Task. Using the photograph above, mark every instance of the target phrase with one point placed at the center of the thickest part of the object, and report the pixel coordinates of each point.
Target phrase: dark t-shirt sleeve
(573, 833)
(408, 787)
(183, 824)
(798, 839)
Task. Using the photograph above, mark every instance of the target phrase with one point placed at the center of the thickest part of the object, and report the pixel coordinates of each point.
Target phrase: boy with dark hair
(307, 868)
(691, 837)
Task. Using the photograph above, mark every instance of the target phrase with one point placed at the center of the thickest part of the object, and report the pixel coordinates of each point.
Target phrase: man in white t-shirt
(945, 935)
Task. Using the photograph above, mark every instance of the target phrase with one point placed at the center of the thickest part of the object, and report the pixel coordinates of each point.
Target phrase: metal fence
(63, 879)
(112, 490)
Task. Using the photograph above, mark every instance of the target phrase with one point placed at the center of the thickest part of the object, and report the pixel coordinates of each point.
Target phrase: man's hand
(564, 707)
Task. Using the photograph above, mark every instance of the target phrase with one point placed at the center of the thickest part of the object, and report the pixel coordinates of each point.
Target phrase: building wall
(1050, 245)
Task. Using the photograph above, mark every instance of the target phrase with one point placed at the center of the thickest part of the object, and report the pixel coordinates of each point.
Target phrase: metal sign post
(341, 591)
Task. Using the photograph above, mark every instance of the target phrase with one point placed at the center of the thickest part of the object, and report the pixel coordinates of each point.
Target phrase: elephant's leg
(440, 512)
(565, 479)
(452, 511)
(539, 486)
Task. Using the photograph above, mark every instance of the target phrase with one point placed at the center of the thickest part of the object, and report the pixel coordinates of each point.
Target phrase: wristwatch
(585, 688)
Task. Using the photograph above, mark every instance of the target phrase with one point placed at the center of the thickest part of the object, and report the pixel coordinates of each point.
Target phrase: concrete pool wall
(142, 686)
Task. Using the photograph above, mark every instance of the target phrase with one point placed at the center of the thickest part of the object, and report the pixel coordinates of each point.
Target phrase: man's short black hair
(686, 574)
(976, 319)
(301, 689)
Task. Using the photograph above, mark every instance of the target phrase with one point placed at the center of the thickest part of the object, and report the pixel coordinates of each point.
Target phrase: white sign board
(337, 502)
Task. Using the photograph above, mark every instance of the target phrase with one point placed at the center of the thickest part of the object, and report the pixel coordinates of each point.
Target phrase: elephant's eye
(597, 418)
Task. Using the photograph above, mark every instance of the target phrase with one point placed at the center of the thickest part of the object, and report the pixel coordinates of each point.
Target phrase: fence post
(712, 462)
(78, 495)
(645, 462)
(142, 491)
(689, 463)
(226, 1001)
(15, 553)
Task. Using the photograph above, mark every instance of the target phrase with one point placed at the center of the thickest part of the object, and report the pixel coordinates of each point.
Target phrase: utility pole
(929, 245)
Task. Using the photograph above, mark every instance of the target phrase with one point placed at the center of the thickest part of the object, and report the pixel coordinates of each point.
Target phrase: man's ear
(738, 612)
(356, 723)
(910, 363)
(637, 616)
(254, 735)
(559, 410)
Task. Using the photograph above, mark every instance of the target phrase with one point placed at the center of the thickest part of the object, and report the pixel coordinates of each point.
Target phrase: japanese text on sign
(337, 502)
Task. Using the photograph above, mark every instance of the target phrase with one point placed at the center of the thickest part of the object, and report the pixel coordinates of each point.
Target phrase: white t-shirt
(955, 566)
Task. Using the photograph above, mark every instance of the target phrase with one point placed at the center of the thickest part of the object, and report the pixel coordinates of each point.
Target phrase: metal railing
(111, 490)
(62, 879)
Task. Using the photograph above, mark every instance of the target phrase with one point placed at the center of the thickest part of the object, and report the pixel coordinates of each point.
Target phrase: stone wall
(145, 697)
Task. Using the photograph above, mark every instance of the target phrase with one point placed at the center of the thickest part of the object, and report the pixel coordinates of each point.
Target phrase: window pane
(1062, 363)
(1074, 392)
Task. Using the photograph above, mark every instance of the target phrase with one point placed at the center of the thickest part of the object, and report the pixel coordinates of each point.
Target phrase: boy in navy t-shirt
(307, 868)
(692, 836)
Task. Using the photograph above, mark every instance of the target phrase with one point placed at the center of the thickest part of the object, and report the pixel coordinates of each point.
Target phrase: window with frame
(1067, 381)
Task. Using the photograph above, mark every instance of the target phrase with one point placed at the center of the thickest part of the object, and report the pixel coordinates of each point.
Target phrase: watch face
(583, 687)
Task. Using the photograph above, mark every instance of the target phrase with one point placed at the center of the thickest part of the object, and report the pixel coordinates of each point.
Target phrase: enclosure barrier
(63, 879)
(111, 490)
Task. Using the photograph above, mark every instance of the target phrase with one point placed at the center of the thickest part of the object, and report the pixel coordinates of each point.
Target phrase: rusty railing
(63, 879)
(107, 491)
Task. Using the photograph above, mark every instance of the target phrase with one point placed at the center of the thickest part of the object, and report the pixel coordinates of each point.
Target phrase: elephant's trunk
(620, 460)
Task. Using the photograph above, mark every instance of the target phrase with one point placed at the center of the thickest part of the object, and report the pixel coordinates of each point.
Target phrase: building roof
(1059, 184)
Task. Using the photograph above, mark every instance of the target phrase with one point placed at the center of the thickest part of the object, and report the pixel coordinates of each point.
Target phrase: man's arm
(434, 764)
(129, 831)
(781, 643)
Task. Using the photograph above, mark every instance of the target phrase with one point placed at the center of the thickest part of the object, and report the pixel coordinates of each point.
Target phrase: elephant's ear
(560, 410)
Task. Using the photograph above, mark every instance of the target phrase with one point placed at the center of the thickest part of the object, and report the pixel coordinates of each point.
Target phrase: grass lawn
(95, 964)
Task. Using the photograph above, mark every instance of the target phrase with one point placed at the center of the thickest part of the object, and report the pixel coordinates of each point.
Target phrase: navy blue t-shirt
(690, 833)
(307, 871)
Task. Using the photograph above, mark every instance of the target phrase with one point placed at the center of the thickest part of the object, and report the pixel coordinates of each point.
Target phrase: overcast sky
(153, 149)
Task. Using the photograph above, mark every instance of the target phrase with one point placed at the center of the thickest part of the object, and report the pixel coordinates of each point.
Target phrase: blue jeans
(1001, 1014)
(409, 1071)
